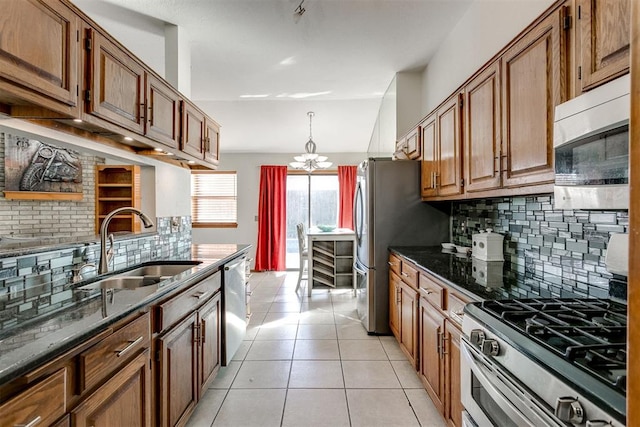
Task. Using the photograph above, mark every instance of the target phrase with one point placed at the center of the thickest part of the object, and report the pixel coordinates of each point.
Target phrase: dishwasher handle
(235, 265)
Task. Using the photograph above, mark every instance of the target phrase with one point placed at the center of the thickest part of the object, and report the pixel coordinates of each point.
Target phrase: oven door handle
(497, 393)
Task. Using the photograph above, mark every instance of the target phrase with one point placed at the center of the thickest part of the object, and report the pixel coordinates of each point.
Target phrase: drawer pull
(428, 291)
(199, 295)
(392, 264)
(459, 312)
(31, 423)
(405, 274)
(129, 347)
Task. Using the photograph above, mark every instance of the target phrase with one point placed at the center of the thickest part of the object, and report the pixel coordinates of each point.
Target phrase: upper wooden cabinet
(200, 134)
(115, 87)
(429, 165)
(409, 145)
(531, 86)
(211, 141)
(604, 37)
(39, 56)
(162, 112)
(482, 135)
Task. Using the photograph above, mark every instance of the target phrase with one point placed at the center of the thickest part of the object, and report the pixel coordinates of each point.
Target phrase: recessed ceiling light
(77, 120)
(262, 95)
(157, 149)
(300, 95)
(128, 138)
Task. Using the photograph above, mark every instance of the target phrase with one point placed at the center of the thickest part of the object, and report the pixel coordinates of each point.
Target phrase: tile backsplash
(566, 248)
(39, 283)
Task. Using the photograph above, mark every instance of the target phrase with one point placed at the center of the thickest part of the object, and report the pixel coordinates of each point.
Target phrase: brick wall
(564, 248)
(50, 218)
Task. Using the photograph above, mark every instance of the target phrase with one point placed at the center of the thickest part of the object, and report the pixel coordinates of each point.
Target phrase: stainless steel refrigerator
(388, 211)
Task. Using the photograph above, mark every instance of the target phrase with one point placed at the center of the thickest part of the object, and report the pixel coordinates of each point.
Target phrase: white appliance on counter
(591, 144)
(388, 211)
(487, 246)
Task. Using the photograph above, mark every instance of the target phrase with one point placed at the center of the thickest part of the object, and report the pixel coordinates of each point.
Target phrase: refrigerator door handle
(357, 209)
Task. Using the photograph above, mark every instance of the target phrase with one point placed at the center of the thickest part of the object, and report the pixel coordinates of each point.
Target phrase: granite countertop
(480, 280)
(36, 341)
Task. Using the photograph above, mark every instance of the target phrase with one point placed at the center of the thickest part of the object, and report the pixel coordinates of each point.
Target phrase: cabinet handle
(435, 180)
(405, 274)
(203, 327)
(150, 113)
(459, 312)
(199, 295)
(129, 347)
(392, 264)
(444, 345)
(427, 291)
(438, 344)
(398, 296)
(31, 423)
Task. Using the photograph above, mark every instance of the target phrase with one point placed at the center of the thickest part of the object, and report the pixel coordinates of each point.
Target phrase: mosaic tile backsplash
(565, 248)
(38, 284)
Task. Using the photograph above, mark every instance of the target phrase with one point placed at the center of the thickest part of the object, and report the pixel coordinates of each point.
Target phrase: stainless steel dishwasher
(234, 308)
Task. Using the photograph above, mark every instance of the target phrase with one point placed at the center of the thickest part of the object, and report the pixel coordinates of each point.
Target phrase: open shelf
(117, 186)
(332, 262)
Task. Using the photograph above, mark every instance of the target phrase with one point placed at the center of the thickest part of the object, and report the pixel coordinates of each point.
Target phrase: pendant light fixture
(310, 161)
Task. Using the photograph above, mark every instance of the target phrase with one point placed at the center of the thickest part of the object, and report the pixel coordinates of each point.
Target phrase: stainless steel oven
(511, 378)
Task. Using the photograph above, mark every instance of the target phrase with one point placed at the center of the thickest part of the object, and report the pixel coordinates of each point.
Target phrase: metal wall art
(38, 170)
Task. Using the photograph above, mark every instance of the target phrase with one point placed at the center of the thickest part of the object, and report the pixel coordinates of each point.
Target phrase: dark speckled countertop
(36, 341)
(457, 271)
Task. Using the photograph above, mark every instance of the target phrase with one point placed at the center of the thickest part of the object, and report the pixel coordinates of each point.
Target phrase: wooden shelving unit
(117, 186)
(331, 261)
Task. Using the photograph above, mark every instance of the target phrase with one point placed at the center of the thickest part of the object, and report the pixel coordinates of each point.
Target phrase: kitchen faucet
(105, 256)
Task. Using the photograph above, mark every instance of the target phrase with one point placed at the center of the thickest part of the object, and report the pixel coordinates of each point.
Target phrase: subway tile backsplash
(566, 248)
(36, 284)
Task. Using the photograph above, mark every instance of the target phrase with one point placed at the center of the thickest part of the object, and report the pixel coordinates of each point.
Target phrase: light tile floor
(307, 361)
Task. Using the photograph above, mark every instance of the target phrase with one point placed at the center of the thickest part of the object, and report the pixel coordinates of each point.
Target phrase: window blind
(214, 199)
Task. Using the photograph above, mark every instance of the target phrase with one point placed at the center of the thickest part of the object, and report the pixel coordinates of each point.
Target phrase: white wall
(247, 167)
(487, 27)
(408, 105)
(383, 137)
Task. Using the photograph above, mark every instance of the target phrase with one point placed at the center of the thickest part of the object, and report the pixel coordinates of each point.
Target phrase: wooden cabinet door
(116, 84)
(193, 130)
(449, 173)
(39, 51)
(394, 304)
(209, 343)
(531, 84)
(604, 27)
(482, 130)
(124, 400)
(177, 382)
(211, 142)
(429, 164)
(430, 366)
(162, 112)
(408, 321)
(410, 144)
(454, 408)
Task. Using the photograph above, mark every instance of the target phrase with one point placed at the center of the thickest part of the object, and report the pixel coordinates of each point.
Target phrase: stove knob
(570, 410)
(477, 336)
(598, 423)
(490, 347)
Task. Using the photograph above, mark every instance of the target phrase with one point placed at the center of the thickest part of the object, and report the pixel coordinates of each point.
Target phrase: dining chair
(303, 253)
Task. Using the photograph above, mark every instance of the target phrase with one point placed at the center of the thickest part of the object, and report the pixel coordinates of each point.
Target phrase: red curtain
(347, 188)
(272, 219)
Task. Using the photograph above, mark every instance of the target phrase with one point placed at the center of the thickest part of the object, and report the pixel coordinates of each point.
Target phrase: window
(312, 199)
(214, 201)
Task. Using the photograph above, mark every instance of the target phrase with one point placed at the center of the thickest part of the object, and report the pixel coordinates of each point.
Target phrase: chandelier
(309, 160)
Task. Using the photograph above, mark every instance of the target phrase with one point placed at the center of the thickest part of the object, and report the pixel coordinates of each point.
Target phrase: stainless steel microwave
(591, 144)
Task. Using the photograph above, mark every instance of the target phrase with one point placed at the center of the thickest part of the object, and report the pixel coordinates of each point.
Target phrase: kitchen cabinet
(200, 134)
(117, 186)
(531, 88)
(403, 307)
(115, 86)
(604, 40)
(441, 173)
(409, 146)
(212, 141)
(39, 58)
(188, 349)
(123, 400)
(162, 112)
(431, 366)
(482, 137)
(451, 355)
(42, 403)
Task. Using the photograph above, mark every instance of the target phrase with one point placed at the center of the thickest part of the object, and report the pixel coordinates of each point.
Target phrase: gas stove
(565, 359)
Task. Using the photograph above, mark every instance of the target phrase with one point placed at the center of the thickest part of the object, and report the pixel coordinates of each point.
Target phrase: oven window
(490, 408)
(599, 160)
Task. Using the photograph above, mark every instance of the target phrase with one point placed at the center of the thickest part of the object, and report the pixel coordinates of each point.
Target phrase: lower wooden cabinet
(188, 359)
(403, 311)
(451, 350)
(124, 400)
(431, 367)
(394, 304)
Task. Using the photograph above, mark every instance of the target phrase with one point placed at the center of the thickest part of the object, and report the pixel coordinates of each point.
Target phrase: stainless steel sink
(124, 282)
(160, 270)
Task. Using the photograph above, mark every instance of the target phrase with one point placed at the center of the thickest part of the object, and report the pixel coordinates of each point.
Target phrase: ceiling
(257, 67)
